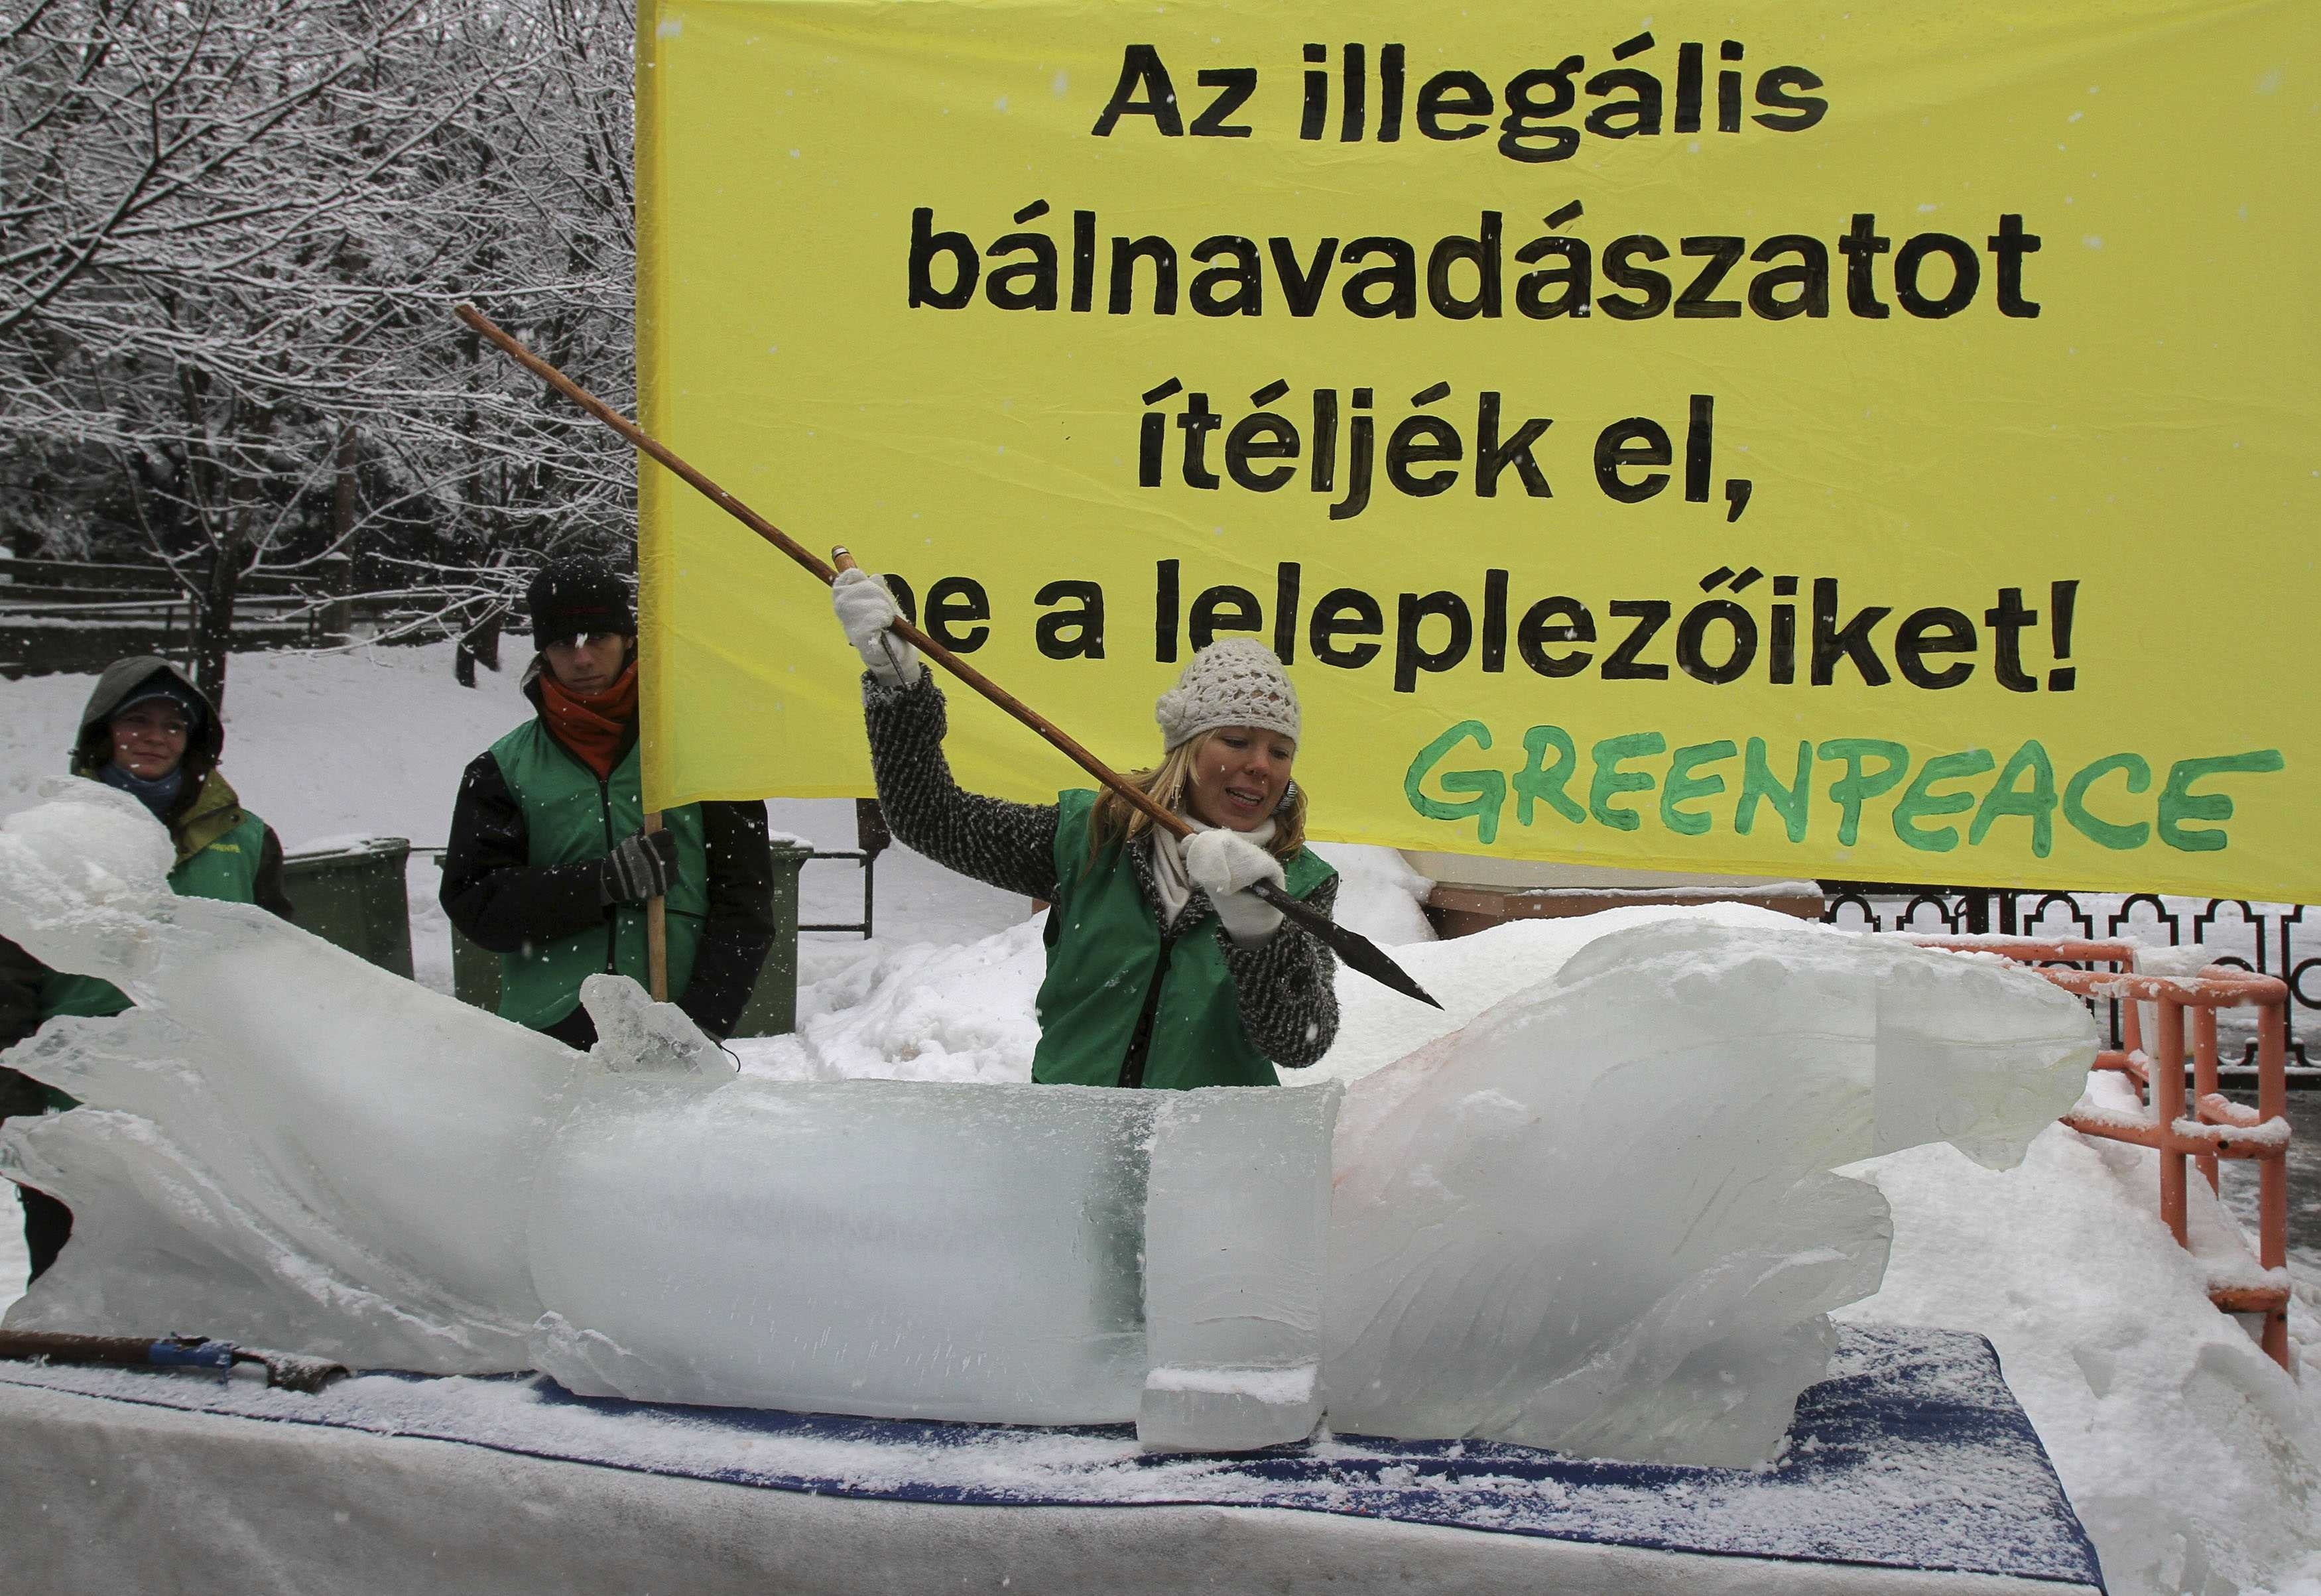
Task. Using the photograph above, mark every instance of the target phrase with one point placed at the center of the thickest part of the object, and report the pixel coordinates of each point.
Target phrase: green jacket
(523, 871)
(570, 818)
(1111, 975)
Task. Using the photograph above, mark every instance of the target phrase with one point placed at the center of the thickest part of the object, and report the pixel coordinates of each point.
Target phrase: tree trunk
(338, 617)
(343, 490)
(214, 620)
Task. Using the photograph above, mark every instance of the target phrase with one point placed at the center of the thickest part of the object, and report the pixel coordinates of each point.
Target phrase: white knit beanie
(1233, 682)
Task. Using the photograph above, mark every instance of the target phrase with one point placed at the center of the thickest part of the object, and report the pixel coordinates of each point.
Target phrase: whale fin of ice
(637, 1037)
(89, 881)
(294, 1148)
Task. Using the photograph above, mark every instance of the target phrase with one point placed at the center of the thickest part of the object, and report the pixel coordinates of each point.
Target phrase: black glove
(642, 866)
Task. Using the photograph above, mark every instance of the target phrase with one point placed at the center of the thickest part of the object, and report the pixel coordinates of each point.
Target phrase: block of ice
(1600, 1217)
(898, 1248)
(1236, 1234)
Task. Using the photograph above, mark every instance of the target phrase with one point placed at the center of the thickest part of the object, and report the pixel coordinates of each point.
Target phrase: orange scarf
(592, 727)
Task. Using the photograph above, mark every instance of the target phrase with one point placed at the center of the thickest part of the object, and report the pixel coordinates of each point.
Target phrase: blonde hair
(1117, 821)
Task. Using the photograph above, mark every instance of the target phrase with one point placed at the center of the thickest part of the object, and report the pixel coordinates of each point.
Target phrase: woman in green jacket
(149, 732)
(1163, 970)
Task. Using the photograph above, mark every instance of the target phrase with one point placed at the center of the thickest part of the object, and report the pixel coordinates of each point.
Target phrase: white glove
(867, 610)
(1224, 865)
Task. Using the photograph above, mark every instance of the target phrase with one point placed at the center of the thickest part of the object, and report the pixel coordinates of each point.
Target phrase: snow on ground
(2195, 1462)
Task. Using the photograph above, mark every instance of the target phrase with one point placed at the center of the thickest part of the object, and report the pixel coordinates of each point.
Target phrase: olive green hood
(209, 807)
(93, 749)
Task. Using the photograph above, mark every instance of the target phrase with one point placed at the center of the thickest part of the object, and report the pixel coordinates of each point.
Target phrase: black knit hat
(571, 598)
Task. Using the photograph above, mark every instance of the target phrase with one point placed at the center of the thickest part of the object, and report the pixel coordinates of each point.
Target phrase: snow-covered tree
(231, 231)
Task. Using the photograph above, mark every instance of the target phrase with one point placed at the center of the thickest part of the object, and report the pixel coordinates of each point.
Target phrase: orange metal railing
(2211, 1126)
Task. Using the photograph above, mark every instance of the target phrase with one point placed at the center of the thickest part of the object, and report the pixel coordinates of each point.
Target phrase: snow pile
(911, 1011)
(2194, 1462)
(1378, 894)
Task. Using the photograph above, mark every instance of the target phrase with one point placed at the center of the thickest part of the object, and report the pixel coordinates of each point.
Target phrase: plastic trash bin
(354, 896)
(772, 1008)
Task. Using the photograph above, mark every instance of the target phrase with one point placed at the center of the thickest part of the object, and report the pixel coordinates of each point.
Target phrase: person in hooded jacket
(549, 865)
(149, 732)
(1163, 969)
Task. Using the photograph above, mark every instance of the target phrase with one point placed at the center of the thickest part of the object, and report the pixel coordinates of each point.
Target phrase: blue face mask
(157, 794)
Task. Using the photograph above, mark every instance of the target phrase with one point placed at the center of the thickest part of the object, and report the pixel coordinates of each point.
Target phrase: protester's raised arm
(1006, 845)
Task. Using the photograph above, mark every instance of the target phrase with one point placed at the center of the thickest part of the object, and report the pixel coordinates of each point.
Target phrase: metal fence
(64, 615)
(2263, 937)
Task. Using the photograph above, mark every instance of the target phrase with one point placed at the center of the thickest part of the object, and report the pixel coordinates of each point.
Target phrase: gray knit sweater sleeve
(1009, 846)
(1287, 988)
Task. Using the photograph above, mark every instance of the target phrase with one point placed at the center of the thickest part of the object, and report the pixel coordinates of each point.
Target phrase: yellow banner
(1801, 439)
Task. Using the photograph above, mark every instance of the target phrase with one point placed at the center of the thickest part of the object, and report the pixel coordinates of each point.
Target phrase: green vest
(224, 868)
(571, 817)
(1104, 952)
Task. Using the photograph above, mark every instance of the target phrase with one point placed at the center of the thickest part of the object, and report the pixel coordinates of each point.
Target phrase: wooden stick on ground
(1355, 949)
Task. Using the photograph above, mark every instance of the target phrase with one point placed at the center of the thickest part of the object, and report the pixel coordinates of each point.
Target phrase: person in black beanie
(549, 864)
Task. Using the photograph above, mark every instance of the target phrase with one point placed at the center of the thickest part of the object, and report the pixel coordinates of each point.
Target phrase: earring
(1289, 792)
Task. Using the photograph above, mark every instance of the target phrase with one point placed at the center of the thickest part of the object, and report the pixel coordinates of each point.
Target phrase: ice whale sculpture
(1599, 1217)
